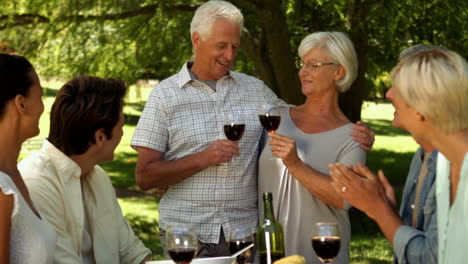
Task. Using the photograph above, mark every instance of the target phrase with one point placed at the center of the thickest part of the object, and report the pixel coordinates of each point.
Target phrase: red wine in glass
(326, 248)
(182, 255)
(326, 241)
(235, 246)
(234, 132)
(269, 116)
(234, 124)
(270, 122)
(182, 243)
(240, 238)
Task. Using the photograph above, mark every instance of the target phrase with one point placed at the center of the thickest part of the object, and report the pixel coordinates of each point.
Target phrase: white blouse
(32, 239)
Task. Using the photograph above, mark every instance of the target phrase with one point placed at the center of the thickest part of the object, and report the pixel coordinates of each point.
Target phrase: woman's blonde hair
(435, 83)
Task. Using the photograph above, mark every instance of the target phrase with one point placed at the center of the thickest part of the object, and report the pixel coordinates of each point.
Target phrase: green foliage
(396, 25)
(306, 17)
(135, 39)
(126, 39)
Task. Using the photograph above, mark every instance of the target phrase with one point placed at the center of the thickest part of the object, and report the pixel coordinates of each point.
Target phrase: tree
(134, 39)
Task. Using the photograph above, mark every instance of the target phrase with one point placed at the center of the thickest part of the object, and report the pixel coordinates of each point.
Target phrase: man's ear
(99, 136)
(196, 38)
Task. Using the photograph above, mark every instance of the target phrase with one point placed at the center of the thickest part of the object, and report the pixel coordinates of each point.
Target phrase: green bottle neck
(268, 214)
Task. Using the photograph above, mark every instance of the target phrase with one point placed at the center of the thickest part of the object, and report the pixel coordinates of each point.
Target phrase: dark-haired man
(72, 192)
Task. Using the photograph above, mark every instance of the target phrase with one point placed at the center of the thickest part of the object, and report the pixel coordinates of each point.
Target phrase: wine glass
(181, 243)
(240, 238)
(269, 117)
(234, 125)
(326, 241)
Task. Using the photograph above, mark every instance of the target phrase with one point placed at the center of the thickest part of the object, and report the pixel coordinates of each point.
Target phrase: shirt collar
(66, 167)
(184, 75)
(432, 157)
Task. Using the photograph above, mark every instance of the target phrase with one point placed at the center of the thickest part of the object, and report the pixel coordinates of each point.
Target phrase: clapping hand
(361, 188)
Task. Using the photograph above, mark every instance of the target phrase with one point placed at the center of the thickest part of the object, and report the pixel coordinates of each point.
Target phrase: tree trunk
(351, 101)
(271, 52)
(278, 49)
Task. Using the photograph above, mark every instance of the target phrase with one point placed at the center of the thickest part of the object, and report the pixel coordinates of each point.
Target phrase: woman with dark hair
(25, 237)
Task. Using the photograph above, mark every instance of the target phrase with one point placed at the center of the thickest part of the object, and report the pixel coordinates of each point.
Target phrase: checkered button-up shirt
(183, 116)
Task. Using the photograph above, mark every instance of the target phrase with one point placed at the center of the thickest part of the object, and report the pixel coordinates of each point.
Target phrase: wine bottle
(270, 239)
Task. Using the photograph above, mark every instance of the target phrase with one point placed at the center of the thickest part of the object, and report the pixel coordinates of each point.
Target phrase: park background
(142, 41)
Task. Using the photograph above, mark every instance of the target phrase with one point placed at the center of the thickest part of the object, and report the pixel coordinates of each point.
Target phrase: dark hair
(15, 78)
(84, 105)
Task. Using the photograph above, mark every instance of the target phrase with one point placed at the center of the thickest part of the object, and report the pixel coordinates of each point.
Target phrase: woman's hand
(284, 148)
(369, 193)
(362, 189)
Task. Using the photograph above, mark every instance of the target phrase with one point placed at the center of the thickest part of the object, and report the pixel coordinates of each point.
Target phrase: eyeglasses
(312, 65)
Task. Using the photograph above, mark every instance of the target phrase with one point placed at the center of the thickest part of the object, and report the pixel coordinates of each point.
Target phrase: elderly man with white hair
(211, 181)
(180, 139)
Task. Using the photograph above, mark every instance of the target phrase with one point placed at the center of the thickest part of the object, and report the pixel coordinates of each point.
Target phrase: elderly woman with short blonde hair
(430, 96)
(311, 136)
(434, 87)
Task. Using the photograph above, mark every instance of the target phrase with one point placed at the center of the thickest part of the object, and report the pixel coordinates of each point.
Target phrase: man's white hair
(210, 12)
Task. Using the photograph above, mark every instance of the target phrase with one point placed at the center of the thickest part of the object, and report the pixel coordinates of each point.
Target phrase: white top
(296, 209)
(87, 253)
(54, 182)
(32, 239)
(452, 220)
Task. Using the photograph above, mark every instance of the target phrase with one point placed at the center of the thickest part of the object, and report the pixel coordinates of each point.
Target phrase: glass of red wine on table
(240, 238)
(181, 243)
(326, 241)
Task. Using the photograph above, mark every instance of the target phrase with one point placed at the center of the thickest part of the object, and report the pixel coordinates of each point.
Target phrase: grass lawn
(392, 152)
